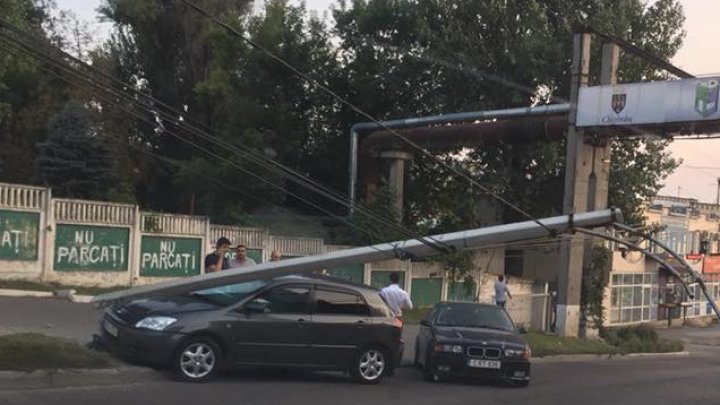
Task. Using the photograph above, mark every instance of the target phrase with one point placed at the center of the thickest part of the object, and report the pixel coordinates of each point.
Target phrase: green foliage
(637, 170)
(595, 278)
(28, 95)
(74, 160)
(410, 58)
(639, 339)
(368, 225)
(544, 344)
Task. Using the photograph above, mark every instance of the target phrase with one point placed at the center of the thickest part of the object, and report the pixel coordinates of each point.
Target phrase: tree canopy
(390, 58)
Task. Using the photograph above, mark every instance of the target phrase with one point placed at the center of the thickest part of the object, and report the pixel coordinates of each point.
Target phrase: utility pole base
(568, 320)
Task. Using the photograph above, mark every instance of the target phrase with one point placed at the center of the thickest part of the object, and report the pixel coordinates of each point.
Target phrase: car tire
(370, 365)
(416, 358)
(197, 359)
(427, 371)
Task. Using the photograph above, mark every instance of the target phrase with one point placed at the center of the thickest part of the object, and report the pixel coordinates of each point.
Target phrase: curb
(567, 358)
(25, 293)
(43, 379)
(61, 294)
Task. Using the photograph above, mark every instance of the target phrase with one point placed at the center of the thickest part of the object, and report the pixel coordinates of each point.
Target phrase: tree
(420, 57)
(74, 160)
(28, 95)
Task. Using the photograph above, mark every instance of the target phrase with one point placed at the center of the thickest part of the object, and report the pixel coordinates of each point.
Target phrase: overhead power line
(121, 93)
(357, 109)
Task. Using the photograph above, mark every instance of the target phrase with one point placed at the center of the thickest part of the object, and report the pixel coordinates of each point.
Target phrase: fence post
(135, 243)
(45, 236)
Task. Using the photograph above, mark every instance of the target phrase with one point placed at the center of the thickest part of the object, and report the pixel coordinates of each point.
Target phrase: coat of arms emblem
(618, 102)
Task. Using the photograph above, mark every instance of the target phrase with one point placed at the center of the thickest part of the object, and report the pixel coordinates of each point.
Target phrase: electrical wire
(353, 107)
(212, 154)
(428, 240)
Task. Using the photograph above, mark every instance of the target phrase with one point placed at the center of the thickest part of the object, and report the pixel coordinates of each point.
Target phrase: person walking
(216, 261)
(395, 297)
(500, 291)
(241, 259)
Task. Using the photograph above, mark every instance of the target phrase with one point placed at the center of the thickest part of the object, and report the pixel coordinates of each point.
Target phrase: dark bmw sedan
(307, 322)
(471, 340)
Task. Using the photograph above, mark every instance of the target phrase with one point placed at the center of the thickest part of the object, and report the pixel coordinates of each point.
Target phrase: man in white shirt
(500, 291)
(395, 297)
(241, 259)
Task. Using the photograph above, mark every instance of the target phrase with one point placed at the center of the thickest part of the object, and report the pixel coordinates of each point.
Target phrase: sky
(696, 178)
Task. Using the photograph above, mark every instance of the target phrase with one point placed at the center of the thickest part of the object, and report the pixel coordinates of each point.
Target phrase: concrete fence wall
(94, 243)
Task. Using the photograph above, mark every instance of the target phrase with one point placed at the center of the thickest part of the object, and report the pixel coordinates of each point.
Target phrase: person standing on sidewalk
(217, 261)
(500, 291)
(241, 259)
(395, 297)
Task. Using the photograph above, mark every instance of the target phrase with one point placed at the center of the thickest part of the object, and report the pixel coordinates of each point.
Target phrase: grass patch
(625, 340)
(51, 287)
(32, 351)
(543, 344)
(640, 339)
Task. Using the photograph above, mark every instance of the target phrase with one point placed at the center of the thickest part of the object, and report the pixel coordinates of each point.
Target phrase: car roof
(466, 303)
(323, 280)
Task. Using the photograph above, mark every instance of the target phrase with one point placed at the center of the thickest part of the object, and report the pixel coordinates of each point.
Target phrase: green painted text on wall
(91, 248)
(169, 257)
(19, 235)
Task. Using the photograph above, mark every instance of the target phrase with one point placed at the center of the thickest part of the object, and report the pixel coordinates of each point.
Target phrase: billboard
(649, 103)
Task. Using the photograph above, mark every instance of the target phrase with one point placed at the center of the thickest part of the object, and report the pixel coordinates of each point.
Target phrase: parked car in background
(471, 340)
(311, 322)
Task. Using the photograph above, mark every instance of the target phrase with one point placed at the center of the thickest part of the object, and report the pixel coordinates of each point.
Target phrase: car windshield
(474, 316)
(231, 293)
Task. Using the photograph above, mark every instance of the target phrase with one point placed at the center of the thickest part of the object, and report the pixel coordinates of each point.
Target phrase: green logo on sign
(706, 97)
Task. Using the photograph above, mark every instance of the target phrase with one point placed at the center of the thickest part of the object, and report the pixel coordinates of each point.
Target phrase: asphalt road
(677, 380)
(49, 316)
(668, 380)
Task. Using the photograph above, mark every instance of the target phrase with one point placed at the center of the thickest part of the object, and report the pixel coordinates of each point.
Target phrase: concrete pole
(396, 178)
(577, 172)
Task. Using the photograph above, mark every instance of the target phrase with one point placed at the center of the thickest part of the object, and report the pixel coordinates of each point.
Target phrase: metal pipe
(470, 239)
(434, 120)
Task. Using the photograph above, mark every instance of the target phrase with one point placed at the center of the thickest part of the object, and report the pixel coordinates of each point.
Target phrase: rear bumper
(139, 346)
(449, 364)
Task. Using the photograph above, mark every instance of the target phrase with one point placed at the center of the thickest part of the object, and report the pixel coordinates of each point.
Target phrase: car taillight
(398, 323)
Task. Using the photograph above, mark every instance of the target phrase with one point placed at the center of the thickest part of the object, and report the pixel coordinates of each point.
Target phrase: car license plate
(484, 363)
(110, 328)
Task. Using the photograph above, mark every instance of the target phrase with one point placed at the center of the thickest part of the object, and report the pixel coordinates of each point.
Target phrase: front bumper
(451, 364)
(140, 346)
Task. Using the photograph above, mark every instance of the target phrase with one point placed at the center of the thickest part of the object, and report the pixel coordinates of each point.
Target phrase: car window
(339, 303)
(284, 300)
(473, 316)
(231, 293)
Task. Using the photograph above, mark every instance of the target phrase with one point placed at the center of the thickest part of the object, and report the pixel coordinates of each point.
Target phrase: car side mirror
(425, 322)
(254, 307)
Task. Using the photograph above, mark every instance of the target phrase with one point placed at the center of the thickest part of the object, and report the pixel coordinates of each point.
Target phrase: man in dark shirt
(217, 261)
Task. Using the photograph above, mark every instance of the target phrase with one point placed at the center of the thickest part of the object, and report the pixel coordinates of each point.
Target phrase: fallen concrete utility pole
(470, 239)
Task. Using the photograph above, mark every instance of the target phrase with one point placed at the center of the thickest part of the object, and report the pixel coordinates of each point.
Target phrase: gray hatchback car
(312, 322)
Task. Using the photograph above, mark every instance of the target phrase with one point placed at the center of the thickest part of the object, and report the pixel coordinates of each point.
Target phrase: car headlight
(518, 353)
(156, 322)
(448, 348)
